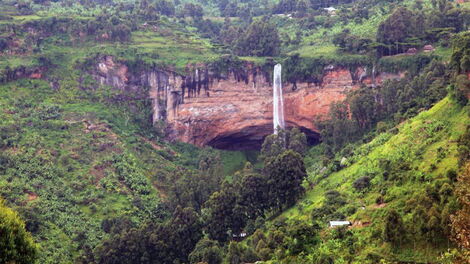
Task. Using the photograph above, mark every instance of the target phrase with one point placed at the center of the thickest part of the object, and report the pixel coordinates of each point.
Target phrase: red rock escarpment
(229, 113)
(238, 115)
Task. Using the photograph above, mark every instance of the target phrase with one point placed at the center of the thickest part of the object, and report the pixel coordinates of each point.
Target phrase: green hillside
(69, 167)
(87, 177)
(405, 166)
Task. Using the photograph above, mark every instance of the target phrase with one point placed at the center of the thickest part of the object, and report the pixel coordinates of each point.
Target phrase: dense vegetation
(92, 181)
(17, 245)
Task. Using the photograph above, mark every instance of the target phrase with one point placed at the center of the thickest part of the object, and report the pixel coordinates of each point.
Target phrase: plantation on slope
(410, 169)
(75, 168)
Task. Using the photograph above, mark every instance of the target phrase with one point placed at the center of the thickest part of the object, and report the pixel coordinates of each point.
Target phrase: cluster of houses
(413, 51)
(331, 224)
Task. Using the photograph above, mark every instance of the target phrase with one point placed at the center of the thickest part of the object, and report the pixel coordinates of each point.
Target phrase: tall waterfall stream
(278, 101)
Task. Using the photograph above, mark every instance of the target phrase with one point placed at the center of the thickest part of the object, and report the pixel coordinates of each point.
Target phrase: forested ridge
(86, 177)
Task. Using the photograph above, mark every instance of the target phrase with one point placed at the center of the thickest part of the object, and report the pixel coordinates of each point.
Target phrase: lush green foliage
(16, 244)
(460, 226)
(405, 29)
(153, 243)
(95, 182)
(411, 183)
(382, 106)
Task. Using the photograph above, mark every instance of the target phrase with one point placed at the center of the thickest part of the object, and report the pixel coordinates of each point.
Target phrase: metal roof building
(339, 223)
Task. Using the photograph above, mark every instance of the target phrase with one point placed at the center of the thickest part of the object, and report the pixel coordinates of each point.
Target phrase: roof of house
(428, 47)
(339, 223)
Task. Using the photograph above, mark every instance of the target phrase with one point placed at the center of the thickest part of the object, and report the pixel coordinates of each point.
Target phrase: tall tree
(285, 175)
(276, 144)
(253, 196)
(206, 251)
(223, 216)
(393, 231)
(460, 224)
(260, 39)
(363, 107)
(395, 30)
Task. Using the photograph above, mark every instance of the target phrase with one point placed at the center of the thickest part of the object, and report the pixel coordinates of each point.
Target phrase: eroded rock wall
(232, 111)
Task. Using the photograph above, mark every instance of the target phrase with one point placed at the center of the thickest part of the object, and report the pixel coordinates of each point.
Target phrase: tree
(193, 10)
(338, 129)
(460, 90)
(222, 217)
(235, 253)
(193, 189)
(460, 224)
(121, 32)
(275, 144)
(16, 244)
(147, 10)
(154, 242)
(350, 43)
(185, 231)
(285, 175)
(230, 10)
(301, 237)
(165, 7)
(363, 107)
(361, 183)
(394, 31)
(229, 33)
(285, 6)
(460, 60)
(253, 196)
(297, 141)
(260, 39)
(302, 8)
(206, 251)
(393, 228)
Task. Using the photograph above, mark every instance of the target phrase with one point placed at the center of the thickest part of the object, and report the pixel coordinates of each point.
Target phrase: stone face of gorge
(232, 111)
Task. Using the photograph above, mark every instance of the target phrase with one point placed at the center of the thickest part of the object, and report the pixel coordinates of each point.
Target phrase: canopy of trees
(16, 244)
(261, 38)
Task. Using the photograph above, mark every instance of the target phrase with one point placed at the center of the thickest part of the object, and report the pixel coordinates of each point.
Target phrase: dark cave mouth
(252, 137)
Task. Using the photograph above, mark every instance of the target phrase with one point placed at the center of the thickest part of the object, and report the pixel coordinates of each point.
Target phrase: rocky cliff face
(233, 111)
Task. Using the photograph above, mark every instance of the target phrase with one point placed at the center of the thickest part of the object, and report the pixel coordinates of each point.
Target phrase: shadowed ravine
(252, 137)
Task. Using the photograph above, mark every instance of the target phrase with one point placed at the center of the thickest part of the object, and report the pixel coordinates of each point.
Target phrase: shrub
(48, 112)
(361, 183)
(16, 244)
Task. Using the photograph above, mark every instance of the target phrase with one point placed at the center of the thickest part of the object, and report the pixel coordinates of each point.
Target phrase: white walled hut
(339, 223)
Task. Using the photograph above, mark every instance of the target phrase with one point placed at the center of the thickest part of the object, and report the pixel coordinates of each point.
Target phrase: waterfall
(373, 75)
(278, 102)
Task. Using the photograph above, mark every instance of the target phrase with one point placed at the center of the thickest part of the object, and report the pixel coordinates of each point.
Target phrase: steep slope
(409, 169)
(74, 166)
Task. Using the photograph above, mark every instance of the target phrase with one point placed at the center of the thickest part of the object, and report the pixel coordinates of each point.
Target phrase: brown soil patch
(32, 196)
(376, 206)
(151, 143)
(360, 224)
(98, 173)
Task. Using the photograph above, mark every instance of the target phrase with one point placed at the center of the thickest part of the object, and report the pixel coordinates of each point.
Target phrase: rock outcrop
(232, 111)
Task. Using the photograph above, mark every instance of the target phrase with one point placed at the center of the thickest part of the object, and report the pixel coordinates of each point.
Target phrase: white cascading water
(278, 101)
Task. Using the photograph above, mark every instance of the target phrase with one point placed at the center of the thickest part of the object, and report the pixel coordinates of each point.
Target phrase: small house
(239, 237)
(411, 51)
(331, 10)
(339, 223)
(428, 48)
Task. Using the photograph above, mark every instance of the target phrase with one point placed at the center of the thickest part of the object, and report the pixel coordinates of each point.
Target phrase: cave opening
(252, 137)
